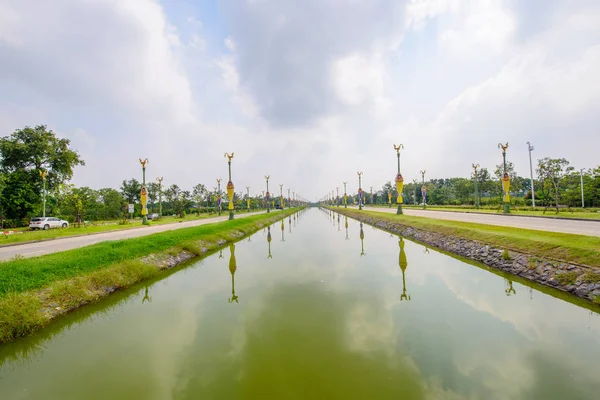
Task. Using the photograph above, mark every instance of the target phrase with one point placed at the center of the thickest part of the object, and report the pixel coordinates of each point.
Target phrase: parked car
(46, 223)
(152, 216)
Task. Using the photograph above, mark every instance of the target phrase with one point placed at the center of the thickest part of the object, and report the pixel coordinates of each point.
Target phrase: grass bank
(24, 235)
(35, 291)
(571, 248)
(576, 213)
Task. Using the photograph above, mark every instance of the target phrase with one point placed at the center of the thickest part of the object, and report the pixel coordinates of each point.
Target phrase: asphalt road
(578, 227)
(68, 243)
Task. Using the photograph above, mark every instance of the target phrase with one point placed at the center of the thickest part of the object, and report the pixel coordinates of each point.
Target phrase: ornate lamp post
(144, 193)
(414, 182)
(294, 199)
(345, 196)
(232, 269)
(475, 181)
(44, 174)
(289, 200)
(337, 195)
(505, 179)
(268, 195)
(371, 196)
(230, 186)
(281, 195)
(399, 180)
(219, 200)
(403, 264)
(424, 189)
(360, 192)
(390, 199)
(159, 180)
(530, 149)
(248, 197)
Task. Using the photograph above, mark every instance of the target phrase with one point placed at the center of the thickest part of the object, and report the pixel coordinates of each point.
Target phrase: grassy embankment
(576, 249)
(576, 213)
(26, 235)
(33, 291)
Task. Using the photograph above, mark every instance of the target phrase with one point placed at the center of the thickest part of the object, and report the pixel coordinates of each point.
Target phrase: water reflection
(362, 240)
(282, 231)
(220, 253)
(232, 269)
(346, 225)
(146, 298)
(290, 224)
(403, 264)
(269, 241)
(338, 222)
(509, 290)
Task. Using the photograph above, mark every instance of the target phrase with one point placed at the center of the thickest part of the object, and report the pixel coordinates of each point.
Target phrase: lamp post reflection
(509, 290)
(290, 224)
(232, 269)
(346, 224)
(269, 241)
(146, 297)
(362, 240)
(403, 264)
(339, 222)
(282, 230)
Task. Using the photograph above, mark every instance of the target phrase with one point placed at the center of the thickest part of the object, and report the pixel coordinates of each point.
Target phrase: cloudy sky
(308, 91)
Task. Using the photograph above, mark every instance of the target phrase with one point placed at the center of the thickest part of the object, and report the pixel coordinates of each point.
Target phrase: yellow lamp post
(281, 195)
(360, 191)
(390, 199)
(232, 269)
(268, 195)
(289, 200)
(230, 187)
(399, 180)
(44, 174)
(505, 179)
(248, 197)
(345, 196)
(159, 180)
(144, 193)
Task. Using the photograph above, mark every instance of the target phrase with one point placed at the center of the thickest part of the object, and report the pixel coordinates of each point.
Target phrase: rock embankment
(580, 280)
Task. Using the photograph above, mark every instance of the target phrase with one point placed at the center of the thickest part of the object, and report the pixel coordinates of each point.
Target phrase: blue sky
(309, 92)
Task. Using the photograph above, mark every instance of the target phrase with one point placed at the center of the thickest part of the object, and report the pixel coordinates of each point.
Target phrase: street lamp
(399, 180)
(281, 195)
(159, 180)
(144, 193)
(248, 196)
(219, 200)
(582, 200)
(530, 148)
(424, 189)
(337, 195)
(268, 195)
(345, 196)
(44, 174)
(475, 181)
(230, 186)
(289, 199)
(505, 179)
(360, 192)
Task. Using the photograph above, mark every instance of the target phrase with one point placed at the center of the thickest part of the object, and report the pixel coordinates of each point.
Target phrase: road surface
(578, 227)
(68, 243)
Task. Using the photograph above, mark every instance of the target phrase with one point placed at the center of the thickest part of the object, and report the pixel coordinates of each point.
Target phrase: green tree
(551, 172)
(130, 190)
(112, 202)
(23, 156)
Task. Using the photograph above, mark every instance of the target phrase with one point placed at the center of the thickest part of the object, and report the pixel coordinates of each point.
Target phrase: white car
(46, 223)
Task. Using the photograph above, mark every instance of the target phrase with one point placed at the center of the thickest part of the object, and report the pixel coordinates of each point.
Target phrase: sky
(309, 92)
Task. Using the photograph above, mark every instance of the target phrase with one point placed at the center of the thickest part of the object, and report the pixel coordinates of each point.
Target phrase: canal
(315, 307)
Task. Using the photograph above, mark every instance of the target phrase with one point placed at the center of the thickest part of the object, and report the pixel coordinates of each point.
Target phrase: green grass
(539, 211)
(96, 227)
(22, 275)
(577, 249)
(566, 278)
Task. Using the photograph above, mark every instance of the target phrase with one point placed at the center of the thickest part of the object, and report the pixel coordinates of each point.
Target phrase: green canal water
(315, 312)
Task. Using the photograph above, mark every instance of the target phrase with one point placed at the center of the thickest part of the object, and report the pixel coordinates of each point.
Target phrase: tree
(551, 172)
(131, 190)
(153, 189)
(23, 156)
(199, 193)
(112, 203)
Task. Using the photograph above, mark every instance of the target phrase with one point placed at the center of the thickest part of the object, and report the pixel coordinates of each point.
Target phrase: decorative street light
(281, 195)
(399, 180)
(371, 196)
(582, 200)
(424, 189)
(530, 148)
(144, 193)
(248, 196)
(230, 186)
(159, 180)
(345, 196)
(337, 195)
(289, 200)
(219, 200)
(414, 182)
(505, 179)
(360, 192)
(268, 195)
(475, 181)
(44, 174)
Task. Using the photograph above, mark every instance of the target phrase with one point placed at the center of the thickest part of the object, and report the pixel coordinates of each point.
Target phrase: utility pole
(582, 201)
(530, 149)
